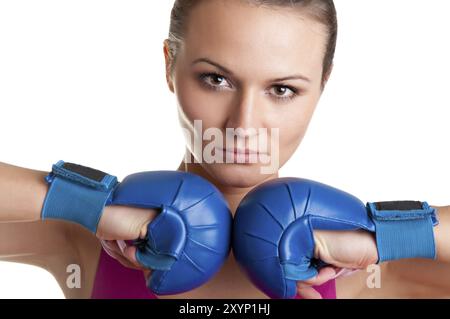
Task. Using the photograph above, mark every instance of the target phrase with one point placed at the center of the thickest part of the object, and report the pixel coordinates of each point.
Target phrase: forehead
(273, 39)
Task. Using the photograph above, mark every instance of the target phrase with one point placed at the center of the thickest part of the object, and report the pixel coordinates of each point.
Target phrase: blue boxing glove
(273, 230)
(187, 242)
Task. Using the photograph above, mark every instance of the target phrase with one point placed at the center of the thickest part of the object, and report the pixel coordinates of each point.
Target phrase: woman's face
(254, 68)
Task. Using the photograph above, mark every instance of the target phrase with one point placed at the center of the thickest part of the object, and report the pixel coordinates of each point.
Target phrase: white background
(84, 81)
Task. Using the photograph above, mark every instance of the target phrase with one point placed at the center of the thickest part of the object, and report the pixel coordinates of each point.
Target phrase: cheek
(293, 131)
(196, 103)
(293, 124)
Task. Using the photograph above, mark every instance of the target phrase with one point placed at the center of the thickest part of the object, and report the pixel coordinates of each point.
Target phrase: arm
(420, 277)
(25, 238)
(429, 276)
(48, 244)
(22, 192)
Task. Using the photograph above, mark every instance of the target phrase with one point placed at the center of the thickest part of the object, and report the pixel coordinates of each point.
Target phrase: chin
(237, 175)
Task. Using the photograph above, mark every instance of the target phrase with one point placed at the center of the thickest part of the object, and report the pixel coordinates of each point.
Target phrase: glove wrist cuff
(404, 229)
(78, 194)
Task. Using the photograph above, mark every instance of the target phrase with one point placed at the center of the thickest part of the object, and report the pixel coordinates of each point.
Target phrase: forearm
(22, 193)
(442, 234)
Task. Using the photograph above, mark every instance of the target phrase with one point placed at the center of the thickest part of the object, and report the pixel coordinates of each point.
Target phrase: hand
(124, 223)
(340, 249)
(125, 254)
(193, 220)
(120, 223)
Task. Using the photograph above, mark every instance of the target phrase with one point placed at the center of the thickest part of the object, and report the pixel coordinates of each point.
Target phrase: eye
(214, 81)
(283, 92)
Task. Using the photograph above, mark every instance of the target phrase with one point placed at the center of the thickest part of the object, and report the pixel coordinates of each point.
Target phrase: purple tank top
(115, 281)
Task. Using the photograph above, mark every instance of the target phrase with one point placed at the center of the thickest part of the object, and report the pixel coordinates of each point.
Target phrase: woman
(232, 64)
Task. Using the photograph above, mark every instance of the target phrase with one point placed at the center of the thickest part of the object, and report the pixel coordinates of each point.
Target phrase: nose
(245, 114)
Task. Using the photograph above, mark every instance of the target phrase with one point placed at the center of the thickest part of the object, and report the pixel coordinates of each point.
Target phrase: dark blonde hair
(322, 11)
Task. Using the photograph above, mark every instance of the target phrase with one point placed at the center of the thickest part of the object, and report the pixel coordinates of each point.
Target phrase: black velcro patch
(87, 172)
(399, 205)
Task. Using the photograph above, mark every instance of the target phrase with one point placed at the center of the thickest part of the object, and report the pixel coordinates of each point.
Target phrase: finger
(325, 274)
(106, 246)
(123, 250)
(309, 293)
(110, 244)
(122, 245)
(124, 261)
(113, 250)
(346, 272)
(113, 246)
(118, 246)
(130, 254)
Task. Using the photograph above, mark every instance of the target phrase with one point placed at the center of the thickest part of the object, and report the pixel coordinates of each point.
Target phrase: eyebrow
(224, 69)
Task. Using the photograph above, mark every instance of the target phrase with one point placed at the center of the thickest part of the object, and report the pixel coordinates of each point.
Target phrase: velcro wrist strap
(404, 229)
(77, 194)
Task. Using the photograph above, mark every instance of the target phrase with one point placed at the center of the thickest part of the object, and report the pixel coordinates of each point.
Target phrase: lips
(242, 156)
(241, 151)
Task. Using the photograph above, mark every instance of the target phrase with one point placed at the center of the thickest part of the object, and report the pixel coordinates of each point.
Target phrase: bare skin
(53, 245)
(257, 45)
